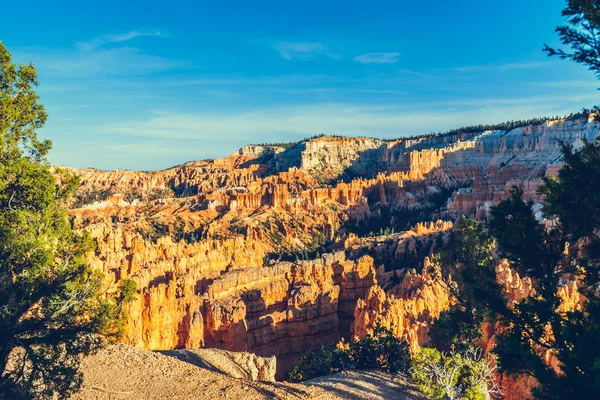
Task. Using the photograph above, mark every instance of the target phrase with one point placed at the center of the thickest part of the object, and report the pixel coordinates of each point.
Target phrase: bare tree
(453, 375)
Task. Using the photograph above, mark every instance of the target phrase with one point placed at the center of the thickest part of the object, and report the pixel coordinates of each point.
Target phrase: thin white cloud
(569, 84)
(294, 122)
(502, 67)
(524, 65)
(154, 149)
(100, 41)
(377, 58)
(267, 80)
(96, 63)
(303, 51)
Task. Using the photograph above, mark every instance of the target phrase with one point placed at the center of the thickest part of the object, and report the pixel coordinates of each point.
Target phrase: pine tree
(50, 307)
(568, 250)
(466, 269)
(582, 34)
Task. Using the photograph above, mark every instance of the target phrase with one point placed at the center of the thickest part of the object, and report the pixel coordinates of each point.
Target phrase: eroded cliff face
(277, 249)
(286, 308)
(406, 309)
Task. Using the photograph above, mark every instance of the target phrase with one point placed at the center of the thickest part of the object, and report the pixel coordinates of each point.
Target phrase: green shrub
(128, 290)
(327, 360)
(379, 350)
(456, 327)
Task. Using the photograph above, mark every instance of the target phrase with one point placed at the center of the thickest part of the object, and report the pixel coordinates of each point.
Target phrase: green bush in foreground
(379, 350)
(455, 375)
(329, 359)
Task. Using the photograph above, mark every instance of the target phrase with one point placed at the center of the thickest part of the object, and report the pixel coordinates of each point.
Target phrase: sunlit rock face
(279, 248)
(407, 309)
(287, 307)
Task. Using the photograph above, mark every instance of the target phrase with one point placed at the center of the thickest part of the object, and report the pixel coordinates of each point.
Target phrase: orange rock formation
(207, 242)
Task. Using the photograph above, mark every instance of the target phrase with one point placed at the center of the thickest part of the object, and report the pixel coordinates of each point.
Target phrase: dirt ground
(376, 385)
(124, 373)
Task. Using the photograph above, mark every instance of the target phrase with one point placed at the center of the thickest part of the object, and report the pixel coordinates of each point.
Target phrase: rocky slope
(277, 249)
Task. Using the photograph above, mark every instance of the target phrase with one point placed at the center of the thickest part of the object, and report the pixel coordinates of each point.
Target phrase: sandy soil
(375, 385)
(124, 373)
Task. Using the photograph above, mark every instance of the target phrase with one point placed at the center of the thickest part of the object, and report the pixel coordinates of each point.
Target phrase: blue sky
(148, 85)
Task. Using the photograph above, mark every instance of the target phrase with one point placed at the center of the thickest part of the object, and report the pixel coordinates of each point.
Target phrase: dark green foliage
(194, 236)
(466, 269)
(184, 191)
(379, 350)
(582, 34)
(456, 327)
(574, 195)
(50, 307)
(90, 196)
(536, 251)
(329, 359)
(128, 289)
(548, 255)
(532, 250)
